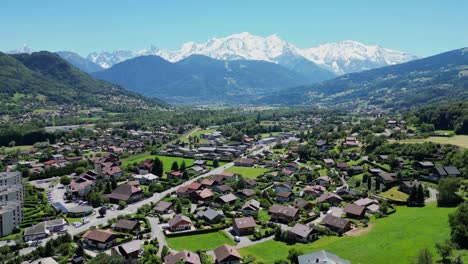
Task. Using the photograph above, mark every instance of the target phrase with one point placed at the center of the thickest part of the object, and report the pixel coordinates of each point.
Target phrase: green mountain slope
(44, 78)
(443, 77)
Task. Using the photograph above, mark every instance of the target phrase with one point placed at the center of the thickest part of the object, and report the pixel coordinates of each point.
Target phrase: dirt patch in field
(360, 231)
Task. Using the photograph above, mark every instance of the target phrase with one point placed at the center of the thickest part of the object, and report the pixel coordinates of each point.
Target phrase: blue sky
(419, 27)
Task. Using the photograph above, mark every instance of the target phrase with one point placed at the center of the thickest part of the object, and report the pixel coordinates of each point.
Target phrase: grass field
(459, 140)
(248, 173)
(208, 241)
(394, 239)
(198, 133)
(395, 194)
(12, 149)
(167, 161)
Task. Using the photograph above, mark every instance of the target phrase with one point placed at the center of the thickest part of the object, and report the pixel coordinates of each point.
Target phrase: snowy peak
(339, 57)
(23, 49)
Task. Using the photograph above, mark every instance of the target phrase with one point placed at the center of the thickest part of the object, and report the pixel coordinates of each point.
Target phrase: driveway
(432, 195)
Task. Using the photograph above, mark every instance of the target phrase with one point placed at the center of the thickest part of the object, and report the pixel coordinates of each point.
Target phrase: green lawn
(167, 161)
(208, 241)
(459, 140)
(394, 239)
(395, 194)
(263, 216)
(12, 149)
(197, 133)
(248, 173)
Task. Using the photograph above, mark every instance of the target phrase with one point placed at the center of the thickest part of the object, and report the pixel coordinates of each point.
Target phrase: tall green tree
(459, 225)
(175, 166)
(448, 188)
(424, 257)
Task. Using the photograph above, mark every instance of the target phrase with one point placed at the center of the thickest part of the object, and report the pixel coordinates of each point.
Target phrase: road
(432, 195)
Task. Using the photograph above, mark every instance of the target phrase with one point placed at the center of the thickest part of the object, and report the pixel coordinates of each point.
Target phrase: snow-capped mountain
(23, 49)
(338, 57)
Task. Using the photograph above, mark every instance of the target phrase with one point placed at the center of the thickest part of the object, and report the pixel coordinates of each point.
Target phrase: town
(256, 191)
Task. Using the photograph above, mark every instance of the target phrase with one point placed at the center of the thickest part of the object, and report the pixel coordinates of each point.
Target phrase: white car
(237, 239)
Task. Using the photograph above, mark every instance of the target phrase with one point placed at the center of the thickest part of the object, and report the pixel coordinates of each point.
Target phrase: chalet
(184, 256)
(302, 233)
(203, 195)
(244, 226)
(251, 207)
(174, 175)
(283, 186)
(342, 166)
(145, 166)
(194, 186)
(250, 183)
(284, 196)
(323, 181)
(208, 182)
(354, 211)
(281, 213)
(336, 224)
(313, 191)
(180, 223)
(226, 254)
(303, 204)
(112, 172)
(210, 215)
(162, 207)
(228, 198)
(201, 163)
(222, 189)
(321, 257)
(387, 178)
(99, 239)
(228, 175)
(423, 165)
(407, 186)
(127, 226)
(441, 172)
(127, 250)
(330, 198)
(127, 193)
(346, 193)
(246, 193)
(329, 162)
(350, 142)
(371, 205)
(244, 162)
(183, 192)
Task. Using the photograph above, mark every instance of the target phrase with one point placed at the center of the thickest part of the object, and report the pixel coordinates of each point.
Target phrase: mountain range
(31, 81)
(438, 78)
(201, 79)
(337, 57)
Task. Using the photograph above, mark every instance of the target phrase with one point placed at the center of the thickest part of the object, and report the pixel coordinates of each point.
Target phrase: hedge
(196, 232)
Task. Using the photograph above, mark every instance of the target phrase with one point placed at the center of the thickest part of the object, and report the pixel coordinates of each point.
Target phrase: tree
(108, 188)
(459, 225)
(216, 163)
(448, 188)
(412, 197)
(420, 199)
(183, 167)
(105, 258)
(49, 249)
(102, 211)
(240, 184)
(445, 250)
(158, 168)
(113, 184)
(377, 183)
(175, 166)
(424, 257)
(185, 175)
(122, 204)
(293, 253)
(65, 180)
(278, 233)
(95, 199)
(369, 183)
(165, 251)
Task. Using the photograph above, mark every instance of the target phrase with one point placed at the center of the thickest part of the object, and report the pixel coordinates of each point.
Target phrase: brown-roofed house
(337, 224)
(126, 192)
(283, 213)
(354, 211)
(100, 239)
(226, 254)
(330, 198)
(124, 225)
(162, 207)
(302, 233)
(244, 226)
(183, 256)
(180, 223)
(244, 162)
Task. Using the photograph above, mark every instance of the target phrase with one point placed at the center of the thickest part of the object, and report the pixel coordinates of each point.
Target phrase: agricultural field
(197, 134)
(16, 148)
(394, 239)
(459, 140)
(208, 241)
(248, 173)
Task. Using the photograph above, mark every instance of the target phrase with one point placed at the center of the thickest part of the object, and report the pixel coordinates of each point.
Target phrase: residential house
(244, 226)
(127, 250)
(283, 186)
(354, 211)
(323, 181)
(174, 175)
(127, 193)
(387, 178)
(203, 195)
(370, 204)
(146, 178)
(244, 162)
(441, 172)
(246, 193)
(329, 162)
(337, 224)
(145, 166)
(313, 191)
(162, 207)
(210, 215)
(99, 239)
(180, 223)
(44, 229)
(183, 192)
(127, 226)
(283, 213)
(228, 198)
(226, 254)
(222, 189)
(407, 186)
(330, 198)
(184, 256)
(303, 204)
(321, 257)
(284, 196)
(251, 207)
(302, 233)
